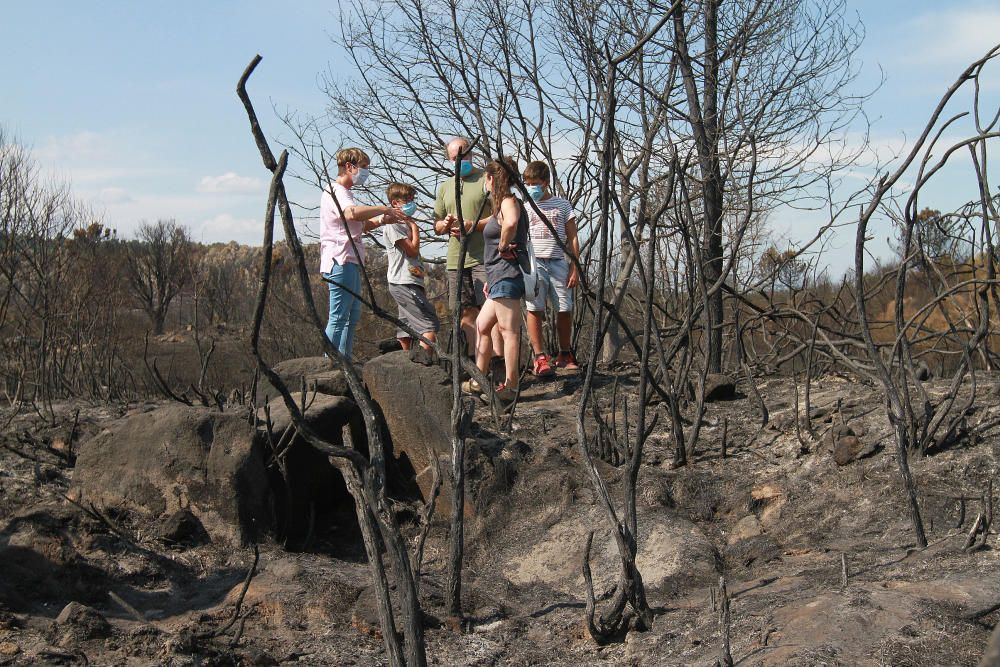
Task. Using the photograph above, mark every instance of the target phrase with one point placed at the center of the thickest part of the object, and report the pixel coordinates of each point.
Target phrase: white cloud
(113, 195)
(226, 227)
(79, 147)
(956, 36)
(90, 160)
(230, 183)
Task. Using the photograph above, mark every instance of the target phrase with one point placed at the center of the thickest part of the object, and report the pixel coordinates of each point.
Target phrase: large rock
(416, 401)
(312, 485)
(771, 498)
(320, 372)
(671, 550)
(178, 457)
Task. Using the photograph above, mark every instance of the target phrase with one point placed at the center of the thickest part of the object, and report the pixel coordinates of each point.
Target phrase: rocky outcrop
(671, 549)
(746, 528)
(416, 401)
(317, 372)
(178, 457)
(311, 485)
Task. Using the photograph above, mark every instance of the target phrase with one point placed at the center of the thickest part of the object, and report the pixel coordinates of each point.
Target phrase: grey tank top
(498, 268)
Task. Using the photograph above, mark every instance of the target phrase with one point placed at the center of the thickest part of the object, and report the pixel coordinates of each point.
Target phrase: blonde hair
(355, 156)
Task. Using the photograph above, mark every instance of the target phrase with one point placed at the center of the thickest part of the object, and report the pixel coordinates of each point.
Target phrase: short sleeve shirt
(334, 242)
(473, 201)
(559, 211)
(402, 270)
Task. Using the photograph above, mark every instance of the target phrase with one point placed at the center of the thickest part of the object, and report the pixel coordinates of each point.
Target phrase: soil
(778, 517)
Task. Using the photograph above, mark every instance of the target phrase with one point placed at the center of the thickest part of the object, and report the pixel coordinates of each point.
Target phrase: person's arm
(410, 246)
(442, 221)
(357, 213)
(573, 245)
(470, 226)
(510, 211)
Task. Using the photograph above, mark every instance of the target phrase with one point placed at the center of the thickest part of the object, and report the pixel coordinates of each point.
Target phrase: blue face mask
(409, 208)
(361, 177)
(465, 168)
(536, 192)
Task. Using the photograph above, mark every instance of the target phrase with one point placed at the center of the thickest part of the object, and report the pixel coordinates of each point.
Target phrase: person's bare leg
(508, 315)
(497, 339)
(406, 342)
(535, 320)
(564, 325)
(486, 321)
(431, 336)
(469, 316)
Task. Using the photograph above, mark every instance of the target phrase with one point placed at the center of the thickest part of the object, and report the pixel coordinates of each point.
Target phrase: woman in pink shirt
(342, 252)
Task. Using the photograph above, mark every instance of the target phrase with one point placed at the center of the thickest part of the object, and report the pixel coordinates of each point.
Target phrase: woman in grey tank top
(506, 236)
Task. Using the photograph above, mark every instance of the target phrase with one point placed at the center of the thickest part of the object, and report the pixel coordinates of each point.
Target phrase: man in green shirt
(475, 203)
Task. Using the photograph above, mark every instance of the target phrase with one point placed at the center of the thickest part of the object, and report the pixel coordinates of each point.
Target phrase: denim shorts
(507, 288)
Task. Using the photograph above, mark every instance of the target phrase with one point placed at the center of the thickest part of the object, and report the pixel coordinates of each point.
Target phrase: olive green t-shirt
(472, 198)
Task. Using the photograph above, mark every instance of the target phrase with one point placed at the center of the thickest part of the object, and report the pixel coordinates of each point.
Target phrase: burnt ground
(776, 517)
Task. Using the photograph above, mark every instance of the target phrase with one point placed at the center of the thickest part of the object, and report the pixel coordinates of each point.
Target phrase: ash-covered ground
(777, 516)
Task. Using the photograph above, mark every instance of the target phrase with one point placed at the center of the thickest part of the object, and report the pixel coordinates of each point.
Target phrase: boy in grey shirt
(405, 270)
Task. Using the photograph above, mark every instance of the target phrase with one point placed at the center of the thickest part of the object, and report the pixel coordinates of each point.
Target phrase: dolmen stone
(319, 373)
(310, 483)
(416, 401)
(181, 458)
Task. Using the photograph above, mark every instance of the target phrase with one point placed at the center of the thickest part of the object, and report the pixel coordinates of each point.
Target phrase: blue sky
(134, 102)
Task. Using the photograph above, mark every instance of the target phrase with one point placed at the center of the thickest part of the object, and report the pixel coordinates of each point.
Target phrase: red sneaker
(542, 367)
(567, 360)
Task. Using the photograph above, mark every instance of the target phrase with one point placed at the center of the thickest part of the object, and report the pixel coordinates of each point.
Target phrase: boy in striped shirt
(556, 274)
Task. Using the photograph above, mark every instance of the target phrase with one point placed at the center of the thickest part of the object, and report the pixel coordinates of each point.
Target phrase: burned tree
(365, 475)
(157, 268)
(919, 422)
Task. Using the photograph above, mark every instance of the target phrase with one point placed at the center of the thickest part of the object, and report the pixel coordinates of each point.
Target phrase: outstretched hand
(392, 216)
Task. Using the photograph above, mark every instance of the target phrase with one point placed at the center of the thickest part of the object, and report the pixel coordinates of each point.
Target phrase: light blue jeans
(345, 308)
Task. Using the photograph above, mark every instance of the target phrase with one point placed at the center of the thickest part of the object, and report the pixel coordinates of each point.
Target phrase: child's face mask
(536, 192)
(409, 208)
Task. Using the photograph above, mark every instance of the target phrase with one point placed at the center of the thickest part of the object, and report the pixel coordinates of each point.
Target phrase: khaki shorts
(473, 280)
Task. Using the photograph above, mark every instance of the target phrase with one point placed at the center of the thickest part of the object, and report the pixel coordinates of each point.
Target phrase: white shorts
(551, 286)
